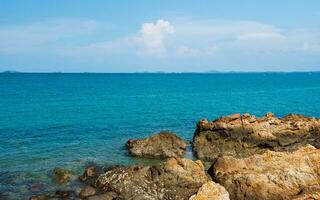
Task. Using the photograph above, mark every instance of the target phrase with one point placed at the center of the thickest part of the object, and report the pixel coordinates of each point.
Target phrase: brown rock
(163, 144)
(87, 191)
(272, 175)
(310, 193)
(61, 176)
(211, 191)
(91, 174)
(174, 179)
(244, 135)
(104, 196)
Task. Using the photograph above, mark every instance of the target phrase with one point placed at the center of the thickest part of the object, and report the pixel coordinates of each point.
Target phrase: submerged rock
(61, 176)
(91, 174)
(244, 135)
(177, 178)
(272, 175)
(211, 191)
(163, 144)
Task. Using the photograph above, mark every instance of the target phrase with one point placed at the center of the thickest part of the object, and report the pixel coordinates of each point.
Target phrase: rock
(87, 191)
(91, 174)
(163, 144)
(61, 176)
(105, 196)
(177, 178)
(40, 197)
(63, 194)
(310, 193)
(211, 191)
(272, 175)
(243, 135)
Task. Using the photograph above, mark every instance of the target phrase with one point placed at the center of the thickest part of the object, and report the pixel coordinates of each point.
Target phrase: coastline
(269, 143)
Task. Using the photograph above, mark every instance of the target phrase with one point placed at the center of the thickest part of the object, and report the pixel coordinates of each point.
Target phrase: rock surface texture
(211, 191)
(174, 179)
(272, 175)
(163, 144)
(244, 135)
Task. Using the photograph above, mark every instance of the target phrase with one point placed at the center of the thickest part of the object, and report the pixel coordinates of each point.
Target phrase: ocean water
(70, 120)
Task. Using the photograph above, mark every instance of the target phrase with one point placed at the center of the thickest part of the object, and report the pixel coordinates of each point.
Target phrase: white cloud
(152, 37)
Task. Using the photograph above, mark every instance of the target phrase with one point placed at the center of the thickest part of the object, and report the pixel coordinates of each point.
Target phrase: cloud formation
(164, 42)
(152, 36)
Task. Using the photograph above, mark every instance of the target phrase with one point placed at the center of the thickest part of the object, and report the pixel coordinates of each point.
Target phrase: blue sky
(166, 35)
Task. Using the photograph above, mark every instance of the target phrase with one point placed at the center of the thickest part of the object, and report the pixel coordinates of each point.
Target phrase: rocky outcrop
(211, 191)
(163, 144)
(174, 179)
(272, 175)
(244, 135)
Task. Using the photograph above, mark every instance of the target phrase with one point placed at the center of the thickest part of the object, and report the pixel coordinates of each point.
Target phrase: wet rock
(174, 179)
(63, 194)
(91, 174)
(40, 197)
(62, 176)
(163, 144)
(211, 191)
(105, 196)
(272, 175)
(243, 135)
(87, 191)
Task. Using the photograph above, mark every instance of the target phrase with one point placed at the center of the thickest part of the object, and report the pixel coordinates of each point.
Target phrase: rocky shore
(251, 158)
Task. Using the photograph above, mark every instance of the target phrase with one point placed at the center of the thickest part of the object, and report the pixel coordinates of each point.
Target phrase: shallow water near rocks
(70, 120)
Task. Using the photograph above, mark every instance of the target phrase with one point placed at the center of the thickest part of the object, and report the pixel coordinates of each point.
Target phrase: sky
(159, 36)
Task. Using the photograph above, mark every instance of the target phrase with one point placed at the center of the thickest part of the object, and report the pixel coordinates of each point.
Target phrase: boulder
(211, 191)
(177, 178)
(163, 144)
(243, 135)
(272, 175)
(61, 176)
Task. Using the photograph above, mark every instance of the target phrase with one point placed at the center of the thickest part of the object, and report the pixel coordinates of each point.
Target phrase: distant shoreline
(218, 72)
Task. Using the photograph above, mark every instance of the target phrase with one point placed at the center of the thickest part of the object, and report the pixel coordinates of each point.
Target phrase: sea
(68, 120)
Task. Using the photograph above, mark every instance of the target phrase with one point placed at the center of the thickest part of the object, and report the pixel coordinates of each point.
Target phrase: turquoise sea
(70, 120)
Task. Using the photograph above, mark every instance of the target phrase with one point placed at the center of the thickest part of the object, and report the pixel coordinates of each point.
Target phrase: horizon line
(155, 72)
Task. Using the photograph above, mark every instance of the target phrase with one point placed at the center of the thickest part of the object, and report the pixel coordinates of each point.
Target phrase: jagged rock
(163, 144)
(244, 135)
(272, 175)
(61, 176)
(211, 191)
(174, 179)
(87, 191)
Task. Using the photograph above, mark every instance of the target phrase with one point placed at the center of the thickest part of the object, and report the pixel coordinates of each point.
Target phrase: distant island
(10, 72)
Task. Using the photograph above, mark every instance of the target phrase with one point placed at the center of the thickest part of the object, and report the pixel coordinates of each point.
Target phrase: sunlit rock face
(244, 135)
(272, 175)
